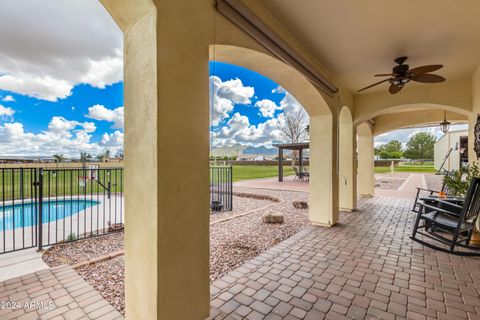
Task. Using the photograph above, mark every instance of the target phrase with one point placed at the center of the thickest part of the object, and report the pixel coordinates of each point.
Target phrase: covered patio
(366, 267)
(299, 146)
(358, 264)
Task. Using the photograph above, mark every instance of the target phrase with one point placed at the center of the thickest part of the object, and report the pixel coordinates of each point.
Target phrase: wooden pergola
(290, 146)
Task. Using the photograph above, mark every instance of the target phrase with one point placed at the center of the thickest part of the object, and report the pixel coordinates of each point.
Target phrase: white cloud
(45, 54)
(279, 89)
(62, 136)
(6, 113)
(224, 95)
(114, 139)
(8, 98)
(267, 107)
(99, 112)
(89, 127)
(45, 88)
(239, 130)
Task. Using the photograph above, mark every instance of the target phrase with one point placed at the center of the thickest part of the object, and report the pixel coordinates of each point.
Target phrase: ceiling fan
(402, 74)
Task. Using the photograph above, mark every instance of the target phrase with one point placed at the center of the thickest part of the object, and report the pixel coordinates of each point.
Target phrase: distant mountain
(261, 150)
(239, 149)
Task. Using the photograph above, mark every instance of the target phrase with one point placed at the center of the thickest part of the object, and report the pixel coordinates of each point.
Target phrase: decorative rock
(300, 204)
(272, 217)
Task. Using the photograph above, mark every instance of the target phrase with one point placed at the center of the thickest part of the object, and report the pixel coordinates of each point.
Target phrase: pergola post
(280, 164)
(300, 158)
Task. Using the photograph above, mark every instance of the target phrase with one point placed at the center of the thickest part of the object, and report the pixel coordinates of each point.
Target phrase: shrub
(458, 181)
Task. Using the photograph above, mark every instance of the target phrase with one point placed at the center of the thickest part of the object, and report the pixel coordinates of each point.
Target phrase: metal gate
(221, 188)
(42, 207)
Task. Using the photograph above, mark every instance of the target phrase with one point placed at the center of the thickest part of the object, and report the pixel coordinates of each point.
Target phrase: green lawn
(407, 168)
(258, 171)
(57, 182)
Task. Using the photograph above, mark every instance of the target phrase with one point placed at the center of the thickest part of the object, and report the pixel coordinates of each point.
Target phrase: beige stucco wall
(366, 163)
(431, 116)
(347, 184)
(454, 95)
(441, 147)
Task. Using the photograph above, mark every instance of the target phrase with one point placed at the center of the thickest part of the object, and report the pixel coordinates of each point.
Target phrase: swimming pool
(18, 215)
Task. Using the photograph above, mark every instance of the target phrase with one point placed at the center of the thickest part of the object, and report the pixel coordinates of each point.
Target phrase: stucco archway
(347, 161)
(323, 175)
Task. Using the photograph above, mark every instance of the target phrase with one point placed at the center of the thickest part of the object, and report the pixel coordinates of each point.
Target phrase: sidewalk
(407, 190)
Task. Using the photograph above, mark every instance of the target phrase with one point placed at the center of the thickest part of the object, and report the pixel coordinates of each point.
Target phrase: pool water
(26, 215)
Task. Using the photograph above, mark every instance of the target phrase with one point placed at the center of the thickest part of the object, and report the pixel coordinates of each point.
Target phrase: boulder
(272, 217)
(300, 204)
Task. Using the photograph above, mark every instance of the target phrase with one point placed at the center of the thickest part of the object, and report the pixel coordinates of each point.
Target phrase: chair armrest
(451, 213)
(429, 190)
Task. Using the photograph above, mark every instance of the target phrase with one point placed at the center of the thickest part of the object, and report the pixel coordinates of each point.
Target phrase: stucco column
(347, 184)
(366, 163)
(323, 176)
(166, 154)
(472, 119)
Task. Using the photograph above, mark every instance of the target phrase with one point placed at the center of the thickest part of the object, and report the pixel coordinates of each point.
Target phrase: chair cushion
(446, 220)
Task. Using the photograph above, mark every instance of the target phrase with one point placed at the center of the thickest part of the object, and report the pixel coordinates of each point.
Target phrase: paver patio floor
(366, 267)
(57, 293)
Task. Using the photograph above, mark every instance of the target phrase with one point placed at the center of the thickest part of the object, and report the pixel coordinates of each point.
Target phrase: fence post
(40, 210)
(231, 187)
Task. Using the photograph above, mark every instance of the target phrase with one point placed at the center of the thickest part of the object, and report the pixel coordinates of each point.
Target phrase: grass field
(57, 182)
(407, 168)
(258, 171)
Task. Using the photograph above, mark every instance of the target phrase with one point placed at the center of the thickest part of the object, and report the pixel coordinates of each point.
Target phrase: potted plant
(458, 181)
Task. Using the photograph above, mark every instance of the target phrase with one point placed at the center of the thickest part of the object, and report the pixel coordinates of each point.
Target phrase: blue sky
(61, 79)
(246, 107)
(35, 114)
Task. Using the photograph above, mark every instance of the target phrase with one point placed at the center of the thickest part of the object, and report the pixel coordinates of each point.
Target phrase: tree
(120, 154)
(420, 146)
(295, 128)
(391, 150)
(59, 157)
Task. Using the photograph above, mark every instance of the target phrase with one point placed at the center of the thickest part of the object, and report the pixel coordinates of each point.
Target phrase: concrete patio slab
(19, 263)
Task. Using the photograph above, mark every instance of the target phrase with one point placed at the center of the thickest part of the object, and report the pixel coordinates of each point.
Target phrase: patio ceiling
(356, 39)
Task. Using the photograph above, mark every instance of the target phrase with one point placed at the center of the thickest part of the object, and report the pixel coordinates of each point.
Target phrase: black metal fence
(41, 207)
(221, 188)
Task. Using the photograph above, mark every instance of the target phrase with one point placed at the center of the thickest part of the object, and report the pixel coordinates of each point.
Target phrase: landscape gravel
(83, 250)
(232, 242)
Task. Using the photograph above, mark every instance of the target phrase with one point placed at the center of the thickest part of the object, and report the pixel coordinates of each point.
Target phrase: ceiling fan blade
(394, 88)
(428, 78)
(424, 69)
(373, 85)
(385, 75)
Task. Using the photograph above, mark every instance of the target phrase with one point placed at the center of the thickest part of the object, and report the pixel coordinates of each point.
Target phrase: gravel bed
(83, 250)
(232, 242)
(235, 241)
(108, 278)
(241, 204)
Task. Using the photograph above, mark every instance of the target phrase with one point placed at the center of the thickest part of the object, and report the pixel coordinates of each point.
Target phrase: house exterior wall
(441, 147)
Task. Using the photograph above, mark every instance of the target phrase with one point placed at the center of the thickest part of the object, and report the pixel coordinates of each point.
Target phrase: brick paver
(366, 267)
(57, 293)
